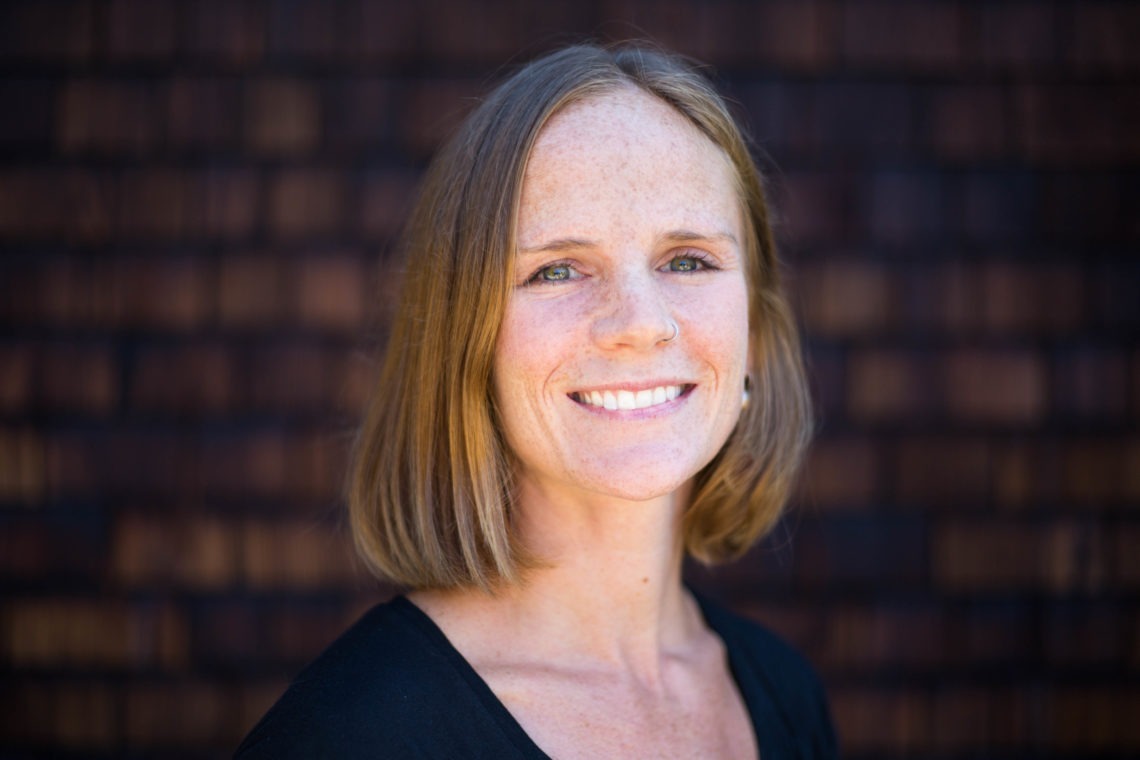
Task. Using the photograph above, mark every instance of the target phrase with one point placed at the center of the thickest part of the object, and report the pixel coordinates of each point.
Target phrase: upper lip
(646, 385)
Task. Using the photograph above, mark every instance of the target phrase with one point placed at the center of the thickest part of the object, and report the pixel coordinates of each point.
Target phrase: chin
(644, 483)
(640, 492)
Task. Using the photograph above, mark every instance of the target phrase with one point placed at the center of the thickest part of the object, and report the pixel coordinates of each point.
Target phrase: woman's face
(629, 228)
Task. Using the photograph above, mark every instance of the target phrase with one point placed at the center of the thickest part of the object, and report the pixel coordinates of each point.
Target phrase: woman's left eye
(688, 264)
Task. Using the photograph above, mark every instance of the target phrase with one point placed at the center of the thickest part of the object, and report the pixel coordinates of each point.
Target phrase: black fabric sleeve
(387, 688)
(785, 697)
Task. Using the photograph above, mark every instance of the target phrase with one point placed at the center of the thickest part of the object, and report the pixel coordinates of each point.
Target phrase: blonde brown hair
(430, 494)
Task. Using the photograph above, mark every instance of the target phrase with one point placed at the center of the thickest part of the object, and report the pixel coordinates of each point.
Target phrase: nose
(632, 312)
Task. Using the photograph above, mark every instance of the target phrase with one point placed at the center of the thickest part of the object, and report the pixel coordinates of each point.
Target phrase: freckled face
(623, 351)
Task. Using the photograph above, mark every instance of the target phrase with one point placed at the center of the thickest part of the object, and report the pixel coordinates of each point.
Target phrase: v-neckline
(764, 715)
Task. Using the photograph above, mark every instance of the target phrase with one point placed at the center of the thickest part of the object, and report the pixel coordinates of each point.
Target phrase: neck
(609, 559)
(608, 593)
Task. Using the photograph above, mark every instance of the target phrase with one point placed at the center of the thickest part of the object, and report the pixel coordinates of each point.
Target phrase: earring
(746, 396)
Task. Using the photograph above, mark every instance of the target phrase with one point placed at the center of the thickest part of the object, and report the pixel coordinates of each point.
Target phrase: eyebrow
(688, 236)
(559, 244)
(680, 236)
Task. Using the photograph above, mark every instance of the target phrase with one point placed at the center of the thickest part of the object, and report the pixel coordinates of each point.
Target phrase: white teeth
(624, 400)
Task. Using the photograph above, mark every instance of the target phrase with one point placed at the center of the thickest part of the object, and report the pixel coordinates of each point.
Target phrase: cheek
(722, 320)
(524, 360)
(731, 359)
(509, 368)
(536, 340)
(515, 356)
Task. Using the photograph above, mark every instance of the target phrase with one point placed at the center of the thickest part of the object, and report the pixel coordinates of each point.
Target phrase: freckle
(645, 580)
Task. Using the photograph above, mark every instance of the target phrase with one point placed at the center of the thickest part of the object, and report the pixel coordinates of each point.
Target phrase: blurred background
(198, 204)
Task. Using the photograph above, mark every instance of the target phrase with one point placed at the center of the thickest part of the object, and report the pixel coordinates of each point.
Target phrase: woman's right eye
(552, 273)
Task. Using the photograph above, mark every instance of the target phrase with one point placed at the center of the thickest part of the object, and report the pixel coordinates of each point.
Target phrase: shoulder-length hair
(430, 486)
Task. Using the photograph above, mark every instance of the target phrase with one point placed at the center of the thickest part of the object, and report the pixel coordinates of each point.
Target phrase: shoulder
(764, 663)
(750, 642)
(381, 684)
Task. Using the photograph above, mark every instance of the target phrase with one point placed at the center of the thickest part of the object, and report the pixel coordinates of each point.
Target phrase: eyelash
(703, 262)
(536, 278)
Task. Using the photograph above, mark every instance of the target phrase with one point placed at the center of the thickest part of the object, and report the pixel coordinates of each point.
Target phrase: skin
(629, 232)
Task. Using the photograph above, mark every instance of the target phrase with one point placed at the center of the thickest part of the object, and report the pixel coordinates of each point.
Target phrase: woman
(593, 372)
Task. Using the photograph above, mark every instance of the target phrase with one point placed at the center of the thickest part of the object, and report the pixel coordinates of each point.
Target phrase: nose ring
(676, 332)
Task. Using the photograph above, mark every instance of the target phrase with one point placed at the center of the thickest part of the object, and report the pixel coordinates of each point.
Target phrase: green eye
(684, 264)
(555, 273)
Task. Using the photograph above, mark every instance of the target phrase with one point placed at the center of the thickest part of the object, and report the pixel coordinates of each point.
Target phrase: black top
(393, 686)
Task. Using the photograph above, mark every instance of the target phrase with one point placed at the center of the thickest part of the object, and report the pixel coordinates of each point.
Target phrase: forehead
(623, 112)
(626, 153)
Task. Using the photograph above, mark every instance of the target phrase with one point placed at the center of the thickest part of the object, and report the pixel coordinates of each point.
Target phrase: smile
(623, 399)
